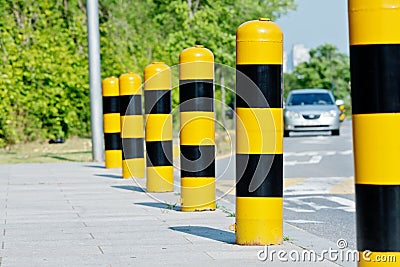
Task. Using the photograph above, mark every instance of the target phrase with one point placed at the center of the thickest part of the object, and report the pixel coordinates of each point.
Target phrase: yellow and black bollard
(259, 133)
(197, 137)
(375, 82)
(132, 135)
(157, 105)
(112, 126)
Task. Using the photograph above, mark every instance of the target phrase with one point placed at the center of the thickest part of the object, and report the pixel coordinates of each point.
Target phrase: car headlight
(331, 113)
(292, 114)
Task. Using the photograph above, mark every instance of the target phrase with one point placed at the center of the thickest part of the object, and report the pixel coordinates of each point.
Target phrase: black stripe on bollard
(110, 104)
(130, 105)
(133, 148)
(157, 101)
(379, 225)
(375, 78)
(256, 86)
(159, 153)
(259, 175)
(197, 161)
(112, 141)
(196, 95)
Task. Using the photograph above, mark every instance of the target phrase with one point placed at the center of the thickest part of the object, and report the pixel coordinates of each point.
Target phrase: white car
(311, 110)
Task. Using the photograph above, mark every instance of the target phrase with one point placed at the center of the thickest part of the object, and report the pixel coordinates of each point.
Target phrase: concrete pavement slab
(81, 214)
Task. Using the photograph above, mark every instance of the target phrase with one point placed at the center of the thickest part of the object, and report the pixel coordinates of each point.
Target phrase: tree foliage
(327, 68)
(43, 82)
(183, 23)
(44, 90)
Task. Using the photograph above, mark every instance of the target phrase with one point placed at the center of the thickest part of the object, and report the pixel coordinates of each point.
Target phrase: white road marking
(299, 210)
(330, 153)
(302, 221)
(305, 204)
(347, 204)
(313, 186)
(347, 152)
(313, 160)
(308, 204)
(321, 153)
(316, 156)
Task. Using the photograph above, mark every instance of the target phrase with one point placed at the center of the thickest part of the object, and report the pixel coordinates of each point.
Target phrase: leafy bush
(43, 84)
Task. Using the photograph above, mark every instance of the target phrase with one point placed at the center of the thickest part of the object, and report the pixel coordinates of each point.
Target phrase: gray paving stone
(81, 214)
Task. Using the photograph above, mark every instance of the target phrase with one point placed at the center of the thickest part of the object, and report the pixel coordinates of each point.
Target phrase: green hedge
(43, 82)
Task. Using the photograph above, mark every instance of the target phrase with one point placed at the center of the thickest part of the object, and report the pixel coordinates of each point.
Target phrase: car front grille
(311, 116)
(310, 126)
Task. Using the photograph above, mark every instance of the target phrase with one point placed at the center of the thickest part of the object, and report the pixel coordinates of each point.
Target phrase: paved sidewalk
(81, 214)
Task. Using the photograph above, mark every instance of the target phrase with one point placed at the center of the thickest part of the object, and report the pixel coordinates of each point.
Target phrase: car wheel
(286, 133)
(336, 132)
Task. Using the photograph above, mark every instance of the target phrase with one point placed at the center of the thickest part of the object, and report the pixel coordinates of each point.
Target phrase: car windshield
(301, 99)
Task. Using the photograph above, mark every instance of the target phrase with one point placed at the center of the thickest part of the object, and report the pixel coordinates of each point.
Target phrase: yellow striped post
(197, 136)
(132, 134)
(157, 103)
(259, 133)
(375, 82)
(111, 123)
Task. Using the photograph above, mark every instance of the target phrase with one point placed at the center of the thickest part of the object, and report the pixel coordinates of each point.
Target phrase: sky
(316, 22)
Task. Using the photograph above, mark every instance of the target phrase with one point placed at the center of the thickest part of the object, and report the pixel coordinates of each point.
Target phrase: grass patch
(73, 150)
(226, 211)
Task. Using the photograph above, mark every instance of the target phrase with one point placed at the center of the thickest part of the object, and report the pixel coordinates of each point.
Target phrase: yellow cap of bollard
(130, 84)
(110, 86)
(157, 76)
(259, 42)
(196, 62)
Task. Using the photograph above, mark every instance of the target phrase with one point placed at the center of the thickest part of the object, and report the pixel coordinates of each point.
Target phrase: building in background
(299, 54)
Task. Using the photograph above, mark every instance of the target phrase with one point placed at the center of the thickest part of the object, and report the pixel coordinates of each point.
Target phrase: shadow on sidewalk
(113, 176)
(95, 166)
(49, 155)
(129, 187)
(207, 232)
(160, 205)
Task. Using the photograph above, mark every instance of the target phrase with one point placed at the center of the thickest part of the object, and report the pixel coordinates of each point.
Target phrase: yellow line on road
(343, 188)
(288, 182)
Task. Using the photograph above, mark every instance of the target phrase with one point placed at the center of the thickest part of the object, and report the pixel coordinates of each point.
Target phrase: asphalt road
(319, 193)
(318, 184)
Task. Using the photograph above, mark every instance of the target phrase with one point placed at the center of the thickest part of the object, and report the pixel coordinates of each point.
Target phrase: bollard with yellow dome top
(158, 124)
(375, 91)
(132, 135)
(197, 136)
(112, 126)
(259, 133)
